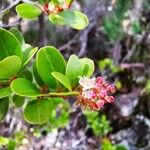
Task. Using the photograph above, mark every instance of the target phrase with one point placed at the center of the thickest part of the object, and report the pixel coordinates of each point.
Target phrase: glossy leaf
(4, 92)
(18, 100)
(18, 35)
(28, 11)
(88, 66)
(24, 87)
(73, 19)
(9, 45)
(38, 111)
(74, 69)
(4, 104)
(28, 55)
(10, 67)
(26, 74)
(48, 60)
(69, 1)
(62, 79)
(37, 77)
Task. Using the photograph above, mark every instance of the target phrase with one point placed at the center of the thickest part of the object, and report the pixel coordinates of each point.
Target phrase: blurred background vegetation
(118, 40)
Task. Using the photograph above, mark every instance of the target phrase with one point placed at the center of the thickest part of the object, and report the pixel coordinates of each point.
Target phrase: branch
(10, 6)
(131, 65)
(68, 44)
(9, 25)
(17, 2)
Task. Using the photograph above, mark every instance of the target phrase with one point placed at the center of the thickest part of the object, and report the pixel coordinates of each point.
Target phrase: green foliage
(60, 115)
(4, 104)
(61, 16)
(8, 143)
(5, 91)
(113, 24)
(108, 63)
(107, 145)
(88, 66)
(28, 11)
(18, 100)
(11, 66)
(73, 19)
(38, 88)
(38, 111)
(48, 60)
(147, 86)
(9, 45)
(136, 27)
(74, 69)
(24, 87)
(28, 55)
(18, 35)
(99, 124)
(62, 79)
(26, 74)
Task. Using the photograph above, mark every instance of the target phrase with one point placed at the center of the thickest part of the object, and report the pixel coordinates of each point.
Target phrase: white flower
(87, 83)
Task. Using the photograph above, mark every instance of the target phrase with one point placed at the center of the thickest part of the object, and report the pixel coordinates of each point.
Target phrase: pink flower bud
(109, 99)
(100, 104)
(111, 89)
(102, 93)
(93, 95)
(99, 80)
(105, 85)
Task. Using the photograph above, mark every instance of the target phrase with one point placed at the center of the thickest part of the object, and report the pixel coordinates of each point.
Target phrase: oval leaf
(18, 35)
(9, 45)
(28, 11)
(73, 19)
(18, 100)
(48, 60)
(10, 67)
(24, 87)
(62, 79)
(4, 104)
(4, 92)
(88, 66)
(37, 77)
(28, 55)
(38, 111)
(74, 69)
(26, 74)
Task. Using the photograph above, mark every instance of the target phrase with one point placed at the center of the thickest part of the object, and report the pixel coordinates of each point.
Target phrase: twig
(72, 41)
(10, 6)
(131, 65)
(84, 38)
(9, 25)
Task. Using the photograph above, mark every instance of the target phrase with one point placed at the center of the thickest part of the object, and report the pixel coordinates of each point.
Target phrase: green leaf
(37, 77)
(10, 67)
(26, 74)
(69, 1)
(28, 55)
(28, 10)
(18, 100)
(62, 79)
(18, 35)
(48, 60)
(9, 45)
(88, 66)
(38, 111)
(73, 19)
(4, 92)
(4, 104)
(74, 69)
(24, 87)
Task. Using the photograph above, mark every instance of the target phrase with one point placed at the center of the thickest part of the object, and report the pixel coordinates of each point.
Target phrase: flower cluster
(94, 93)
(52, 8)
